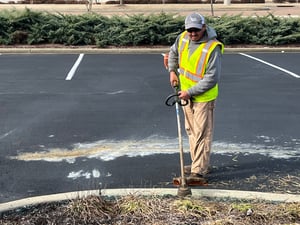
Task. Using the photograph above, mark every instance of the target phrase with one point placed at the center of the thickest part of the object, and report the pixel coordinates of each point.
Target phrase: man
(194, 62)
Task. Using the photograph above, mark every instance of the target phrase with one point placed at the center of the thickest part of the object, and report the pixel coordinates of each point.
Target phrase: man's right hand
(173, 79)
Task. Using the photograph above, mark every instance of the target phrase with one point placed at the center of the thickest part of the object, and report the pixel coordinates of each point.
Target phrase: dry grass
(155, 210)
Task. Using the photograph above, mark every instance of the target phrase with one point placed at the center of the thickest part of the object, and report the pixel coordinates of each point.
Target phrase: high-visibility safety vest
(192, 68)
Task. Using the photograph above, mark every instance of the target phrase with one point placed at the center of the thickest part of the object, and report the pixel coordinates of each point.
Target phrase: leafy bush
(29, 27)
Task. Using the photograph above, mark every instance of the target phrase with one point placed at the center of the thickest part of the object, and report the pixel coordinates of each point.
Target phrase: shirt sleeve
(173, 57)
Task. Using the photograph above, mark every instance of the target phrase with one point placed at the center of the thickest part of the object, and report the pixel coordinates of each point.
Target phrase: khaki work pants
(199, 121)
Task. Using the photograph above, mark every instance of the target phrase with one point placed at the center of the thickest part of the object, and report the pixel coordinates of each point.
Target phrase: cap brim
(193, 25)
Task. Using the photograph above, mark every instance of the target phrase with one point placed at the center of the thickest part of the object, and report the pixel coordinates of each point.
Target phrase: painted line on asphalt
(6, 134)
(108, 150)
(272, 65)
(74, 68)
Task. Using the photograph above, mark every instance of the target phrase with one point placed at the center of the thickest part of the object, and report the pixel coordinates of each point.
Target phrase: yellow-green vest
(192, 69)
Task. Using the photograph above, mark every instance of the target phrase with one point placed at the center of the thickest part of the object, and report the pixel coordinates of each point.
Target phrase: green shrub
(29, 27)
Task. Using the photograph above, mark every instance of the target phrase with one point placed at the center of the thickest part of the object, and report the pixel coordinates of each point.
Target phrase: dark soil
(155, 210)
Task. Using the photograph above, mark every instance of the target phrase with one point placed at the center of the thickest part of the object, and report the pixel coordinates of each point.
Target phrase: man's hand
(173, 79)
(184, 95)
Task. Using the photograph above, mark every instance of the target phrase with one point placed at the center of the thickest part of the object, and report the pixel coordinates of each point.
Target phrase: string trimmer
(171, 100)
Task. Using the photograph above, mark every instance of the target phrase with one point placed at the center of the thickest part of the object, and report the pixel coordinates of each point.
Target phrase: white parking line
(272, 65)
(6, 134)
(74, 68)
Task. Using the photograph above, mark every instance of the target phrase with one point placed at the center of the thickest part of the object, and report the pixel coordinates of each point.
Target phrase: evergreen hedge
(31, 27)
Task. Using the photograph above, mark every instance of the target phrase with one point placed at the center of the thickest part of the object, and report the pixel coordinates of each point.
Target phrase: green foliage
(189, 205)
(242, 207)
(29, 27)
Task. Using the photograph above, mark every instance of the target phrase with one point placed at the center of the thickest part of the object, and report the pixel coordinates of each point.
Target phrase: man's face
(196, 34)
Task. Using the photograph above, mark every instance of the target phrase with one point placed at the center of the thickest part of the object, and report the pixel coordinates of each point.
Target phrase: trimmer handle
(173, 98)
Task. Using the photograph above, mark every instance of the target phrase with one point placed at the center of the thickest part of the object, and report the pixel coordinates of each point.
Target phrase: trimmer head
(190, 181)
(184, 191)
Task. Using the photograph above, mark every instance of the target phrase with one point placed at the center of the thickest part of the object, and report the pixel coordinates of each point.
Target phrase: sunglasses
(191, 30)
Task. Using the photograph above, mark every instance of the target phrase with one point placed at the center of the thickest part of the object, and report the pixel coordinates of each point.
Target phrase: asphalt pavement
(108, 126)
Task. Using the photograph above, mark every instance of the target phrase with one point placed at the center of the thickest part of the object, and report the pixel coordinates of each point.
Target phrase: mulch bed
(156, 210)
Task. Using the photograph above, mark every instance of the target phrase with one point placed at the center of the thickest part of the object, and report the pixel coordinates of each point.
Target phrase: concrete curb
(214, 193)
(129, 50)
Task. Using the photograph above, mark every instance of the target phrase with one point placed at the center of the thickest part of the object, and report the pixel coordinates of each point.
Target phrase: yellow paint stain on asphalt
(60, 154)
(104, 149)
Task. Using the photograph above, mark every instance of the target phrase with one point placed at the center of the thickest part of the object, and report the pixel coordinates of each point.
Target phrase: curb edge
(214, 193)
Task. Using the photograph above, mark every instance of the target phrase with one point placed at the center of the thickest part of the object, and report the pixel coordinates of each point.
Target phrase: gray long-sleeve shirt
(213, 70)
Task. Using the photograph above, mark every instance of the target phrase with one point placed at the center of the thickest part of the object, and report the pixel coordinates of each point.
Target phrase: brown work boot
(195, 177)
(209, 169)
(187, 170)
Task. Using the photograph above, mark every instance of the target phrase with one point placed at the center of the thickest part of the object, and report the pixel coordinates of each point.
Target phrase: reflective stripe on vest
(192, 67)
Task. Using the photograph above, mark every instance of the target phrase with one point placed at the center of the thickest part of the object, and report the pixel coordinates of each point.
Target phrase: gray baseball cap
(194, 20)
